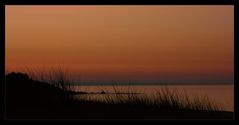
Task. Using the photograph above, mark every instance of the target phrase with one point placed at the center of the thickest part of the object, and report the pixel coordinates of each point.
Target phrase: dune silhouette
(27, 98)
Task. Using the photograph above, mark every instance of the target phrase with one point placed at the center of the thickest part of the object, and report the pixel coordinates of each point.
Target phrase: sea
(221, 95)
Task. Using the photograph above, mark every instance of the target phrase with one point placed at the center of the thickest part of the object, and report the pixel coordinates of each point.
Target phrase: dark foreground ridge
(29, 99)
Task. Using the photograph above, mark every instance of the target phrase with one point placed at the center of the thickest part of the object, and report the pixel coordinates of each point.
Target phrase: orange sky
(144, 43)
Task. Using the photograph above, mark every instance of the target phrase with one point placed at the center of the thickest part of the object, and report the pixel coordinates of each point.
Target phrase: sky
(187, 43)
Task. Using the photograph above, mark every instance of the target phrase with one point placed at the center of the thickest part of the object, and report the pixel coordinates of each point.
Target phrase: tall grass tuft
(56, 76)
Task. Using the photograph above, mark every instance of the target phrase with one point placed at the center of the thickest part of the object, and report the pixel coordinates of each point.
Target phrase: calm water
(222, 95)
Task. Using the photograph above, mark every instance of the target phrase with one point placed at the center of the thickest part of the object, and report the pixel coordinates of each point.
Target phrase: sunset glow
(139, 43)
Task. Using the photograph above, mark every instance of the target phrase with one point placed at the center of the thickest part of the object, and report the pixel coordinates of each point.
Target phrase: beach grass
(164, 100)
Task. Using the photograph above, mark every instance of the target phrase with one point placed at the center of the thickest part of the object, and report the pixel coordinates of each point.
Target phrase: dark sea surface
(222, 95)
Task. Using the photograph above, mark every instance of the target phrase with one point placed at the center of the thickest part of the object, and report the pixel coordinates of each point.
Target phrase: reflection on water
(222, 95)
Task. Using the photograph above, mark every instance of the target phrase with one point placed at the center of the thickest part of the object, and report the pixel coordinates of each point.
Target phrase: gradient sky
(139, 43)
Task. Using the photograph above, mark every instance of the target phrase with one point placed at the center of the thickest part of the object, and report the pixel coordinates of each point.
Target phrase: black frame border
(123, 2)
